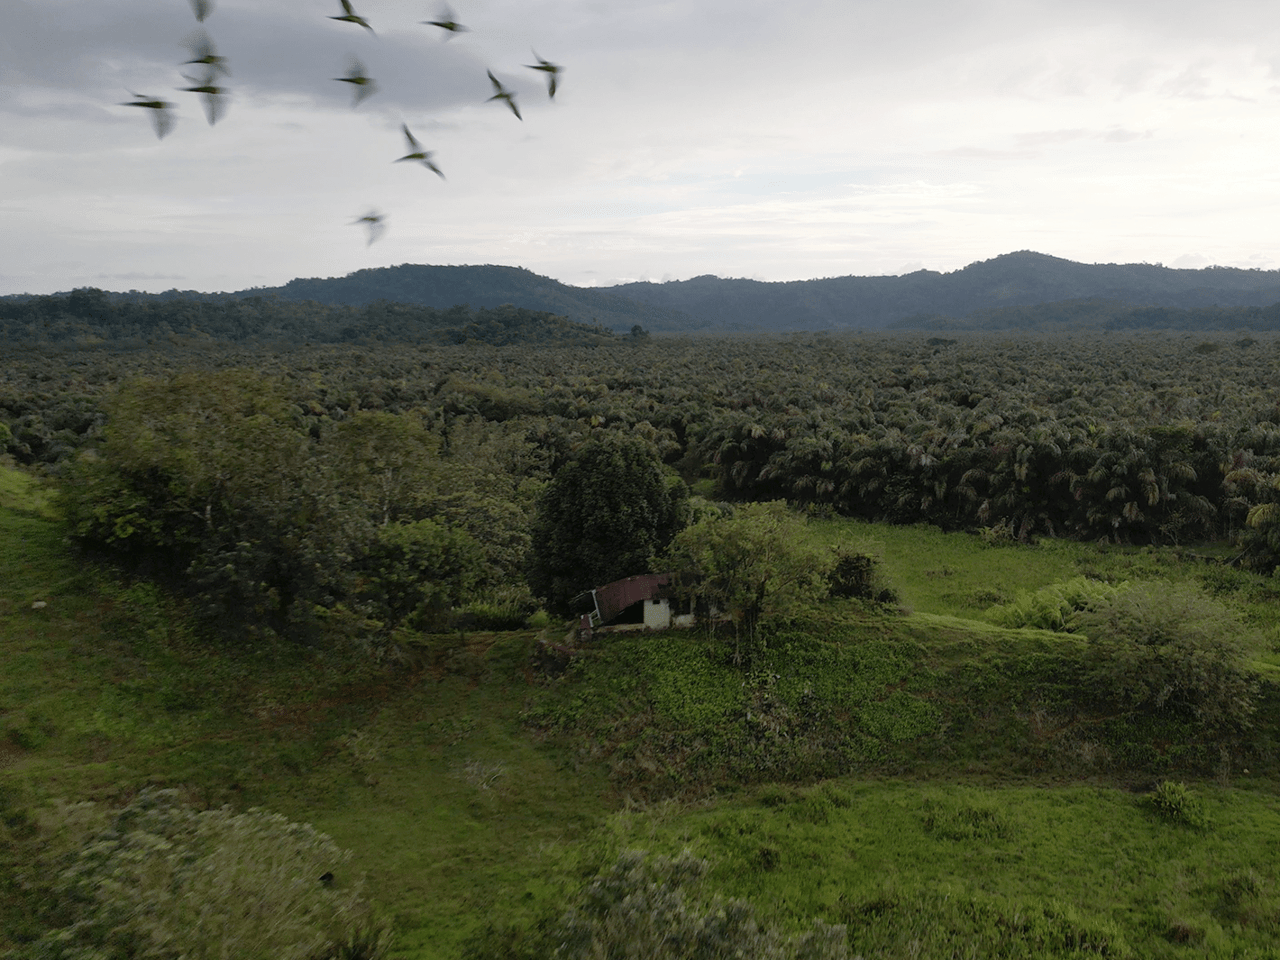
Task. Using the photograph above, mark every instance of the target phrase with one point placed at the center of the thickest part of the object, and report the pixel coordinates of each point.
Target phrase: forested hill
(1014, 279)
(90, 317)
(484, 286)
(1024, 291)
(1099, 316)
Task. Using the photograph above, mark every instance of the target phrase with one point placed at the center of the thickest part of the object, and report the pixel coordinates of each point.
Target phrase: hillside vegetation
(1022, 279)
(1167, 440)
(1023, 291)
(924, 783)
(996, 673)
(93, 318)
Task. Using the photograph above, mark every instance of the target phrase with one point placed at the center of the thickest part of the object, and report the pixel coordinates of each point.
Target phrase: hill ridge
(1018, 279)
(923, 299)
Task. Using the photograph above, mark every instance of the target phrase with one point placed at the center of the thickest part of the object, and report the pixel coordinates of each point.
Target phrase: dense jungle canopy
(1122, 438)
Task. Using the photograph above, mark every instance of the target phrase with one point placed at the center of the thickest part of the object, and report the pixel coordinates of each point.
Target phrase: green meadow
(913, 771)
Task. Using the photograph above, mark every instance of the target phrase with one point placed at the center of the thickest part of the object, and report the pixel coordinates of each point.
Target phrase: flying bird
(203, 51)
(552, 70)
(363, 86)
(202, 9)
(161, 111)
(417, 153)
(447, 23)
(502, 93)
(214, 96)
(350, 16)
(374, 222)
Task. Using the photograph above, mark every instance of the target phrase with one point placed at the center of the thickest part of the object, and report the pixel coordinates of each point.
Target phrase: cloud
(740, 137)
(134, 275)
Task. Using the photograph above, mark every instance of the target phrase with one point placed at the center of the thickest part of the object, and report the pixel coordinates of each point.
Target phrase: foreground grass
(955, 574)
(476, 793)
(942, 869)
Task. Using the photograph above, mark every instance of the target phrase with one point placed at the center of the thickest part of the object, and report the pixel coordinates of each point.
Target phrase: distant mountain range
(1023, 290)
(1012, 280)
(485, 286)
(925, 299)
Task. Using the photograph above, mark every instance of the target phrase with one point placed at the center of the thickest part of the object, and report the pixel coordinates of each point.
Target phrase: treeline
(1095, 315)
(90, 316)
(1024, 278)
(277, 517)
(486, 285)
(1132, 440)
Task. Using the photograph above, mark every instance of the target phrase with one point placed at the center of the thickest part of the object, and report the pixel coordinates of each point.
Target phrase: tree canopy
(604, 515)
(753, 563)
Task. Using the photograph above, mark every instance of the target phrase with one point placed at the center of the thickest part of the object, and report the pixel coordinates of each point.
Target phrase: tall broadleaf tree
(603, 516)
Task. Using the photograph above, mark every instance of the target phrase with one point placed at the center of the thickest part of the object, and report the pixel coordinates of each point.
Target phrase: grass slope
(882, 771)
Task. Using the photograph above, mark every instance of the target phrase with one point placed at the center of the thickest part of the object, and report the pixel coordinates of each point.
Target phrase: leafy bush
(506, 608)
(219, 484)
(414, 572)
(1164, 647)
(649, 908)
(754, 564)
(1261, 536)
(999, 535)
(1175, 803)
(166, 881)
(858, 575)
(1051, 607)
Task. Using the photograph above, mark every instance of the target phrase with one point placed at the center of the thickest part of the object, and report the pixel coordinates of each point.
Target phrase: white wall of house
(657, 614)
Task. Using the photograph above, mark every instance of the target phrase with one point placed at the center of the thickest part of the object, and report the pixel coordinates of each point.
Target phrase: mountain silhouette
(1024, 278)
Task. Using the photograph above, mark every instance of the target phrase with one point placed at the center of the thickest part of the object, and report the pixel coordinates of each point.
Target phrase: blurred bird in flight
(447, 23)
(214, 96)
(362, 84)
(552, 70)
(350, 16)
(417, 153)
(502, 93)
(201, 8)
(203, 51)
(161, 111)
(374, 222)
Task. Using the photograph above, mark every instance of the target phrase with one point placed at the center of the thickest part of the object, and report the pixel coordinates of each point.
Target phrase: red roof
(613, 598)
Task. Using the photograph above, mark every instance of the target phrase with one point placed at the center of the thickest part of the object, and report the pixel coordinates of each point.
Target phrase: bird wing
(215, 105)
(162, 122)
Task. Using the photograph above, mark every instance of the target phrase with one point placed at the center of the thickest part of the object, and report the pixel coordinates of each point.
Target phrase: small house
(643, 602)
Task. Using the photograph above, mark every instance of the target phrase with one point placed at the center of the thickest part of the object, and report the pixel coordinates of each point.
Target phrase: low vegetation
(160, 879)
(875, 783)
(286, 639)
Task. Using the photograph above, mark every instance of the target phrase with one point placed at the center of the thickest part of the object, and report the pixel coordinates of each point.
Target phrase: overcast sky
(742, 138)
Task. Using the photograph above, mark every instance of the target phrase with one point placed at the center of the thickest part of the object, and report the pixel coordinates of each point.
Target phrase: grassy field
(902, 773)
